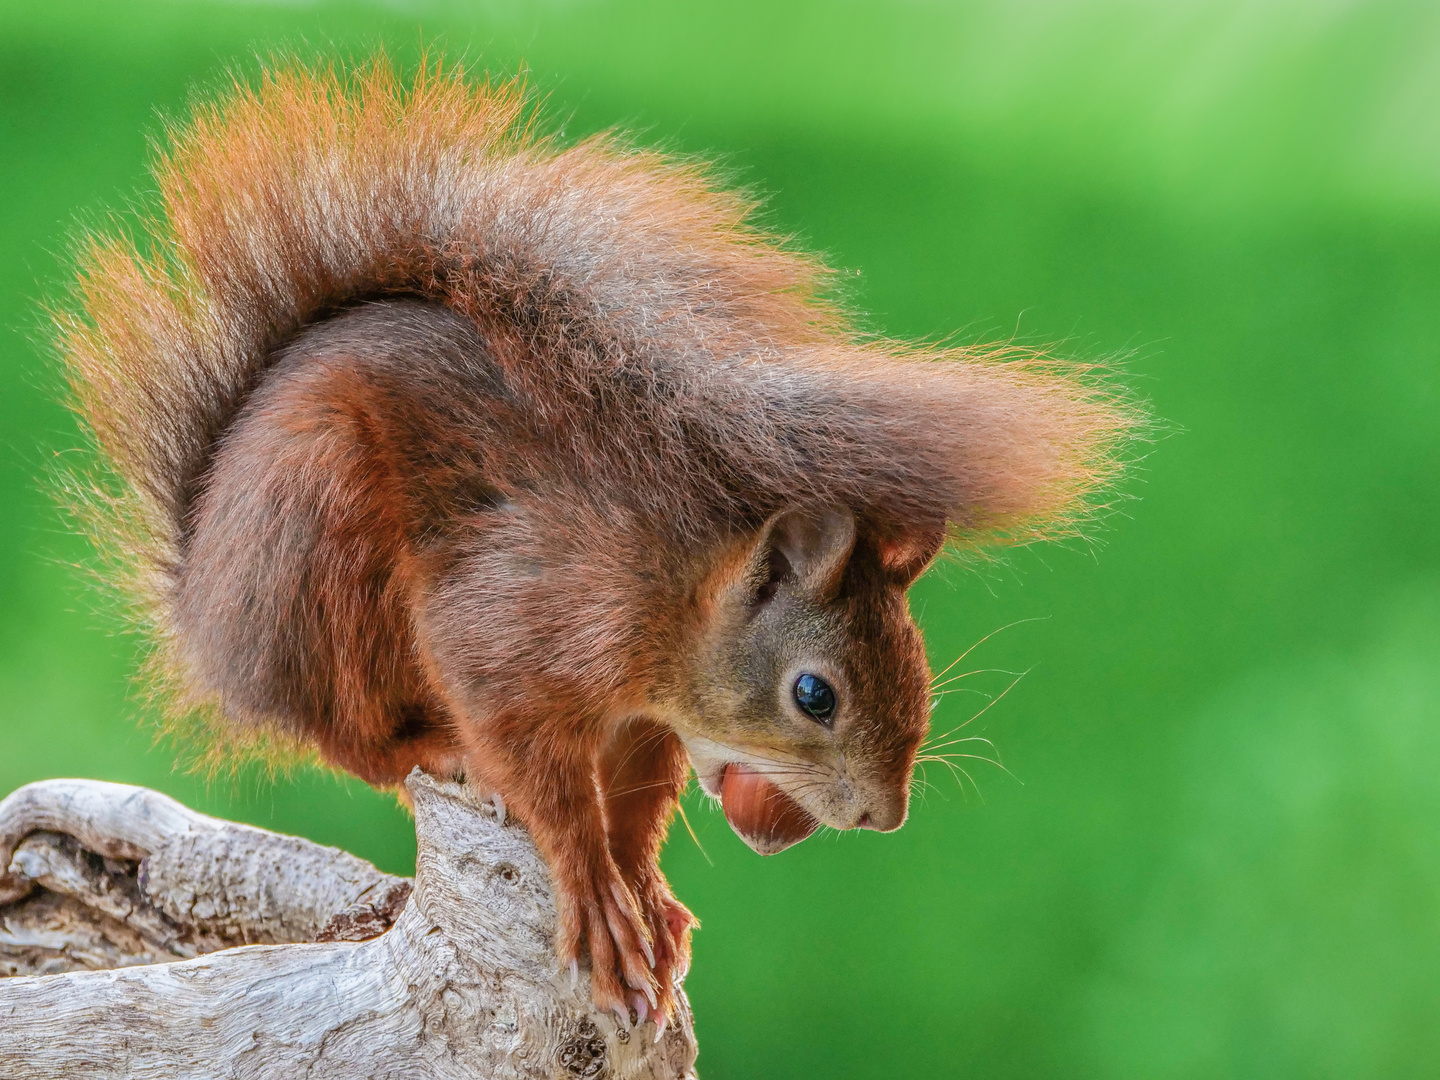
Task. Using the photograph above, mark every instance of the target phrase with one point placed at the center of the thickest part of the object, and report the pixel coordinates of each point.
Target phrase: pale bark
(116, 879)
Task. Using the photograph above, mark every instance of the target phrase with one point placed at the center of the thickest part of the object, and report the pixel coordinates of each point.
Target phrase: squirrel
(430, 440)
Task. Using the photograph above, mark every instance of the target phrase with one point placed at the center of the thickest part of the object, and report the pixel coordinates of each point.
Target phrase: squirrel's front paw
(601, 911)
(670, 924)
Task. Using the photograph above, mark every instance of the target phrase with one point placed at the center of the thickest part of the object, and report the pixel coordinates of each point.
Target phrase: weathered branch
(463, 984)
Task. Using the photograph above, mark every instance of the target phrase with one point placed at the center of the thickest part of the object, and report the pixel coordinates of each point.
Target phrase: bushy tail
(635, 311)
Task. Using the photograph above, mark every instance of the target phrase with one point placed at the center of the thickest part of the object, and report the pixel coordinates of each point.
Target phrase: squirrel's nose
(882, 819)
(882, 808)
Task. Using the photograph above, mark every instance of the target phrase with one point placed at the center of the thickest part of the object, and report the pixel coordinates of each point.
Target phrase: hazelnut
(760, 813)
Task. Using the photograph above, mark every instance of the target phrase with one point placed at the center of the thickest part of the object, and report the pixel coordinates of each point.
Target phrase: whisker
(958, 771)
(928, 747)
(982, 712)
(652, 736)
(639, 787)
(937, 699)
(1000, 697)
(930, 739)
(947, 760)
(972, 757)
(680, 806)
(987, 637)
(935, 685)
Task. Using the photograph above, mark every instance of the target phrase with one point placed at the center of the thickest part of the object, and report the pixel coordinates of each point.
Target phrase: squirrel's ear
(810, 545)
(906, 556)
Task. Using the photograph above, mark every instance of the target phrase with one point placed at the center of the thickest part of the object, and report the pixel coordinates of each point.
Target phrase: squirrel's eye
(814, 696)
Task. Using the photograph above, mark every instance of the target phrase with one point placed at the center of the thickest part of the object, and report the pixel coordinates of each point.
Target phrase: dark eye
(814, 696)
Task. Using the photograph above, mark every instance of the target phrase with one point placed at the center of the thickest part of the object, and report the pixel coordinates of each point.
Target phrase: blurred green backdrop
(1216, 851)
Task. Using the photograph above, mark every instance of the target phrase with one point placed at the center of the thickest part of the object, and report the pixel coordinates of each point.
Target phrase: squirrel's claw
(648, 992)
(626, 904)
(670, 924)
(611, 923)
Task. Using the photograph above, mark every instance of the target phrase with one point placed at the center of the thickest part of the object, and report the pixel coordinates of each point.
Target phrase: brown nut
(760, 813)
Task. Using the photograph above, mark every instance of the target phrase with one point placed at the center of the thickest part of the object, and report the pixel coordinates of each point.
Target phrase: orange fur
(443, 444)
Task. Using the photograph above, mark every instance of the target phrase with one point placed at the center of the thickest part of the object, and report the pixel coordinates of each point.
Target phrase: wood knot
(584, 1053)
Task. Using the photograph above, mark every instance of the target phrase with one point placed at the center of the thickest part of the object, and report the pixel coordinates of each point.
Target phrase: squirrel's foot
(605, 914)
(670, 923)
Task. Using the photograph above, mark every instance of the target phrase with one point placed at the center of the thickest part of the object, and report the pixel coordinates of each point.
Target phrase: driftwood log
(142, 939)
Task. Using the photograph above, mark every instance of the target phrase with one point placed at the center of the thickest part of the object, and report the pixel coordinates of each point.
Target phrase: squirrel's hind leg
(642, 769)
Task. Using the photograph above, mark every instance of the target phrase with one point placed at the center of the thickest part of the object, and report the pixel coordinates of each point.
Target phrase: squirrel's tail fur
(690, 360)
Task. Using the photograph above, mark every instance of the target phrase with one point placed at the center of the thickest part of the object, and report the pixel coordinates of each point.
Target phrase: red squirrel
(433, 441)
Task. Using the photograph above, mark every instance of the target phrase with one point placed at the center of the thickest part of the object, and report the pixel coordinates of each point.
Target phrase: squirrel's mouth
(761, 814)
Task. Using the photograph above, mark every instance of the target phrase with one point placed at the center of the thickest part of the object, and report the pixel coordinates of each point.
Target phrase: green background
(1216, 850)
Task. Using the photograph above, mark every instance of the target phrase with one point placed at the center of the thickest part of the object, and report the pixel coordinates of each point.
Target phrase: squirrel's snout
(882, 814)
